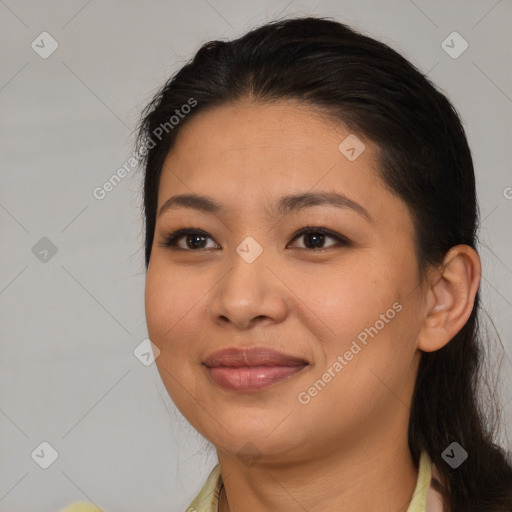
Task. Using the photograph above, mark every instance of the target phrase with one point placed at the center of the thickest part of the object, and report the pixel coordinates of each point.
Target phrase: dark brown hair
(424, 159)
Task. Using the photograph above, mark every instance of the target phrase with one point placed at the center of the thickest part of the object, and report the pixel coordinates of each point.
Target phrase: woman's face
(346, 312)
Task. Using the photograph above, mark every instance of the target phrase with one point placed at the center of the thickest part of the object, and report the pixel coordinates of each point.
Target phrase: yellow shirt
(425, 497)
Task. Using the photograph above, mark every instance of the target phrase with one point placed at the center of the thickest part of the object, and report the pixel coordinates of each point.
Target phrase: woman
(312, 276)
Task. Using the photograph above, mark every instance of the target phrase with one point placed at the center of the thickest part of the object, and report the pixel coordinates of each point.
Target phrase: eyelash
(171, 239)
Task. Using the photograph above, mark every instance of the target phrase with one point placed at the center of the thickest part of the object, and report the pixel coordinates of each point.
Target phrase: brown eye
(194, 240)
(314, 238)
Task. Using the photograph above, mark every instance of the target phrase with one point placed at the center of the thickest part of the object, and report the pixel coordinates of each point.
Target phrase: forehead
(286, 124)
(253, 148)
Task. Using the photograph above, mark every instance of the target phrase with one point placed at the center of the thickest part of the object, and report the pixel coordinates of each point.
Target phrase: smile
(252, 378)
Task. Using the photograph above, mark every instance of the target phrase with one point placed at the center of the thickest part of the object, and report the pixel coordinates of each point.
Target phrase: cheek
(168, 307)
(350, 298)
(169, 297)
(159, 302)
(370, 311)
(175, 312)
(166, 314)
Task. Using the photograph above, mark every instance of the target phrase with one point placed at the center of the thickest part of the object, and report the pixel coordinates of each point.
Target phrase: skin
(347, 448)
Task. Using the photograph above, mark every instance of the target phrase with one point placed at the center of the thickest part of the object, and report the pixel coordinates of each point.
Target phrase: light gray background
(69, 325)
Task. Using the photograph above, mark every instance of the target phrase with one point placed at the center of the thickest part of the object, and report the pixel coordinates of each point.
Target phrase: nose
(249, 294)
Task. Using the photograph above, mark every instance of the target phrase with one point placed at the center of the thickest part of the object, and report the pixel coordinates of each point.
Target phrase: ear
(450, 297)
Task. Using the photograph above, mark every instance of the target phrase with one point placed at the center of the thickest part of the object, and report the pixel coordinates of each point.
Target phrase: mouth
(252, 369)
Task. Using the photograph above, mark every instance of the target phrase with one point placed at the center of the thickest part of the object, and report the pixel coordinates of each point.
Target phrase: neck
(380, 478)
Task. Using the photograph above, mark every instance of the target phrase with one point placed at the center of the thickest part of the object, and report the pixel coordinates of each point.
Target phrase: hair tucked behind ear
(424, 159)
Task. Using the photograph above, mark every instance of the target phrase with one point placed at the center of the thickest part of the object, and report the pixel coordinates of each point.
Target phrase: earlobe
(450, 297)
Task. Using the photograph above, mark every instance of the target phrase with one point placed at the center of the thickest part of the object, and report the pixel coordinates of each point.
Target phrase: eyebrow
(284, 206)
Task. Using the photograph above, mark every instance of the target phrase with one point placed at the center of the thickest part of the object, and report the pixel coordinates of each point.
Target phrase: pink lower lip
(250, 378)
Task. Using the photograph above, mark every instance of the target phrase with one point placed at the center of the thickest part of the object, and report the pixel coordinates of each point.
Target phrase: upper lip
(259, 356)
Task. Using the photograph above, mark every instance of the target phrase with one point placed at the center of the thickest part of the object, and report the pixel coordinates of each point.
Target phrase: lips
(251, 369)
(237, 357)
